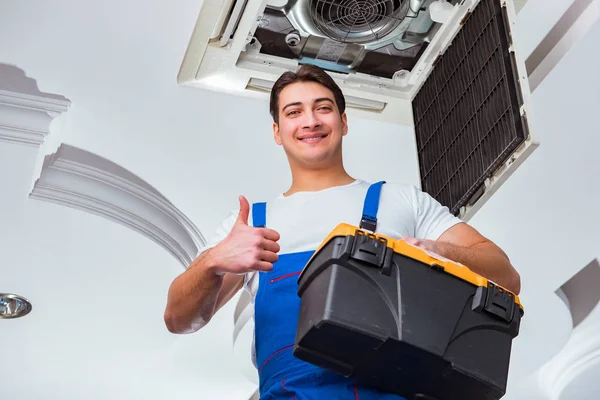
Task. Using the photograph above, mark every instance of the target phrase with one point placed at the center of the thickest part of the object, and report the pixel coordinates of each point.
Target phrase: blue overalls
(277, 305)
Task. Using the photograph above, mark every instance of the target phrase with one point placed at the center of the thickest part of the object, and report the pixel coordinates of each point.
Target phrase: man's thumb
(244, 211)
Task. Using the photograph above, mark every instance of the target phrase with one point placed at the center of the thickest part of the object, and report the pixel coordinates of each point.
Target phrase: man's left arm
(464, 244)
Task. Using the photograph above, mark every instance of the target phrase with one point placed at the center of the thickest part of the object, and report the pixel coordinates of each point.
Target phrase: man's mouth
(312, 138)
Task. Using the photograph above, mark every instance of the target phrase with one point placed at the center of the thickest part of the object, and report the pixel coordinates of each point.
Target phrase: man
(265, 256)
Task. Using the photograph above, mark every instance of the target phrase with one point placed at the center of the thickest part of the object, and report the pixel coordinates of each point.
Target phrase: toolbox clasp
(371, 249)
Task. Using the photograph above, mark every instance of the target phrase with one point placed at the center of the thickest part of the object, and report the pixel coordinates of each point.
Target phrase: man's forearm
(485, 259)
(193, 296)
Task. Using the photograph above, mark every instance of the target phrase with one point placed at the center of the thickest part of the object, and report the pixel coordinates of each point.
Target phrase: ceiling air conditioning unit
(447, 68)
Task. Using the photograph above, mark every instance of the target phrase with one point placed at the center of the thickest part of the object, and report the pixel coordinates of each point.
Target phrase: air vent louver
(467, 114)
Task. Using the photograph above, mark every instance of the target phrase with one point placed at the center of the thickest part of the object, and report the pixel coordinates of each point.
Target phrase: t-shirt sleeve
(221, 232)
(431, 218)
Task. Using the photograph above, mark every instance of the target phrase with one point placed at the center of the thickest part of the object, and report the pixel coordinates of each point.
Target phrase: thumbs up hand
(246, 248)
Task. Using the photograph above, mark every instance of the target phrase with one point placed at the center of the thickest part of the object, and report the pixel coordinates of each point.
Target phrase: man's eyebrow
(320, 99)
(298, 103)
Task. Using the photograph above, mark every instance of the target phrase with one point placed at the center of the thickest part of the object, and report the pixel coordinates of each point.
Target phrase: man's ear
(276, 135)
(344, 124)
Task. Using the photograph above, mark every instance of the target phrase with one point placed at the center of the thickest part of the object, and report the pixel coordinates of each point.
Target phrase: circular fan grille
(357, 21)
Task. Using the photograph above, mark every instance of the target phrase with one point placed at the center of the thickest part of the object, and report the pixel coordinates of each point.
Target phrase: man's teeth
(313, 138)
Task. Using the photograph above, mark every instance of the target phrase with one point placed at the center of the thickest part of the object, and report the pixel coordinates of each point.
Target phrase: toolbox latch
(369, 248)
(495, 300)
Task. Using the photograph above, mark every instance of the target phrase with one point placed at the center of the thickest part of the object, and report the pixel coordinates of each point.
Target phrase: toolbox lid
(436, 261)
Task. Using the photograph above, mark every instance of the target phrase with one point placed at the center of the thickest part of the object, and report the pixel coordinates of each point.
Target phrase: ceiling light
(13, 306)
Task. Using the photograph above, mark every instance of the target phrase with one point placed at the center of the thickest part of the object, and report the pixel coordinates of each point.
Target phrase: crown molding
(25, 112)
(580, 292)
(78, 179)
(582, 350)
(573, 25)
(580, 353)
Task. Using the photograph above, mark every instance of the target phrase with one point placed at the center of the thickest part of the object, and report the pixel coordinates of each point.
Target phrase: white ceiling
(98, 288)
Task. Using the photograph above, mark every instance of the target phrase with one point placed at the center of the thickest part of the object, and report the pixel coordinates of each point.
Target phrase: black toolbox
(404, 321)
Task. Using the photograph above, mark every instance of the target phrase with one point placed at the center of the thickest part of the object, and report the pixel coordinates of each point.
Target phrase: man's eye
(293, 112)
(325, 108)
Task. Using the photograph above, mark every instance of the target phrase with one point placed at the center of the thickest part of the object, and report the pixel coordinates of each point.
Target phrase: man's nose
(312, 120)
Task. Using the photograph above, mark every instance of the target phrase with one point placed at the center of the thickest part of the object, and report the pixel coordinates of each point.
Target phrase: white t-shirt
(304, 219)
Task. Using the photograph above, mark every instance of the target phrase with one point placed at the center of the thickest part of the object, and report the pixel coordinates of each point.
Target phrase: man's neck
(315, 180)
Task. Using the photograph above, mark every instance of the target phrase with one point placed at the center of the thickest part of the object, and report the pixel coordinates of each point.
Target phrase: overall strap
(369, 217)
(259, 215)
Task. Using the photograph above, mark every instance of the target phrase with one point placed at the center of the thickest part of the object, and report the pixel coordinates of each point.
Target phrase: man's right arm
(198, 293)
(217, 274)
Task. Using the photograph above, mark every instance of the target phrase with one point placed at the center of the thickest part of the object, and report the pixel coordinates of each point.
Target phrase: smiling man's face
(310, 127)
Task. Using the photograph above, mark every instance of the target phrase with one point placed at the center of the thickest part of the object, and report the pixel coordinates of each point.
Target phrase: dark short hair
(306, 73)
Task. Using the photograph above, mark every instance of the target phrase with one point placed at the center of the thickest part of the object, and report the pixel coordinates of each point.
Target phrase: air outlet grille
(357, 21)
(467, 114)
